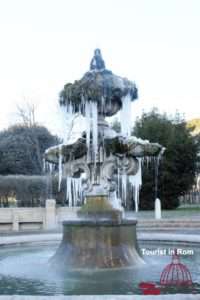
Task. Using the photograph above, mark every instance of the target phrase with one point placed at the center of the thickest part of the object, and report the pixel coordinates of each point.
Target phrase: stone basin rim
(102, 297)
(25, 238)
(99, 222)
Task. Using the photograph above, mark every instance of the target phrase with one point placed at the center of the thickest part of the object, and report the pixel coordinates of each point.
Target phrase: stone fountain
(98, 164)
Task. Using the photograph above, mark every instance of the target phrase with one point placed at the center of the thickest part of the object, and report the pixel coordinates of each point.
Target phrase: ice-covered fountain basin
(24, 269)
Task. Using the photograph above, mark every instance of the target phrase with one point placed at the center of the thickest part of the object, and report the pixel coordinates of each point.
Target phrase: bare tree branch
(26, 114)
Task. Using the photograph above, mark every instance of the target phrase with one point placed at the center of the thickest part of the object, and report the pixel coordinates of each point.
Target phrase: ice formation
(115, 201)
(100, 92)
(90, 110)
(125, 116)
(48, 167)
(65, 117)
(91, 115)
(124, 187)
(60, 167)
(136, 182)
(74, 192)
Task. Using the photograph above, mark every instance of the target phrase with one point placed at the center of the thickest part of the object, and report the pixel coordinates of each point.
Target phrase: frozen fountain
(99, 254)
(99, 164)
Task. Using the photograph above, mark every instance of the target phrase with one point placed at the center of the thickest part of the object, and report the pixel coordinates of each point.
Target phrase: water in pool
(24, 270)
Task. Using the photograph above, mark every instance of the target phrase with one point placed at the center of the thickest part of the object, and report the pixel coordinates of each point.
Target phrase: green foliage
(27, 190)
(30, 191)
(22, 149)
(178, 166)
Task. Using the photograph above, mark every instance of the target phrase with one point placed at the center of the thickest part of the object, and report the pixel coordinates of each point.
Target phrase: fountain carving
(95, 163)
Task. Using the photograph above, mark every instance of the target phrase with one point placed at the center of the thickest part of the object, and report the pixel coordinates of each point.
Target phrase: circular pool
(25, 270)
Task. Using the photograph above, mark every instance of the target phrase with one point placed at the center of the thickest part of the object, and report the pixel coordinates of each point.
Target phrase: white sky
(47, 43)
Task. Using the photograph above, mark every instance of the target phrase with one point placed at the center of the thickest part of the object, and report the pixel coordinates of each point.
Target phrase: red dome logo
(176, 273)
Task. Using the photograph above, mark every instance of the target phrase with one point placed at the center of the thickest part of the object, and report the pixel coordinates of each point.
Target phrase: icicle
(69, 190)
(88, 126)
(44, 165)
(91, 115)
(65, 117)
(69, 109)
(60, 167)
(102, 104)
(136, 182)
(50, 168)
(94, 130)
(124, 187)
(126, 116)
(82, 105)
(115, 201)
(74, 191)
(148, 159)
(118, 181)
(157, 163)
(142, 161)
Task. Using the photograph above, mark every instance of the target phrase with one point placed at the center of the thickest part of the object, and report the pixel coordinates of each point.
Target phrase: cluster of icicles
(135, 181)
(74, 187)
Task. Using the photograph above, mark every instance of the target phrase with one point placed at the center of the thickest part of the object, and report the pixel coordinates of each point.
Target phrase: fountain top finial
(97, 62)
(99, 86)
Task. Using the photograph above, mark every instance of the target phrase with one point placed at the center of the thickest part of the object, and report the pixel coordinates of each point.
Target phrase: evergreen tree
(22, 148)
(178, 166)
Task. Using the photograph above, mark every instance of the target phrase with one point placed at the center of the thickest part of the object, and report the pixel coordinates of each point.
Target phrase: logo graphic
(176, 273)
(149, 288)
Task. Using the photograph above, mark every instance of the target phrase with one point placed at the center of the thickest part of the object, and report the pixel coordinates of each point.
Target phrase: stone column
(50, 214)
(15, 220)
(158, 214)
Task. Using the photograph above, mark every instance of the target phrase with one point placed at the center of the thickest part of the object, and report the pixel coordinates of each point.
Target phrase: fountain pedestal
(98, 244)
(98, 238)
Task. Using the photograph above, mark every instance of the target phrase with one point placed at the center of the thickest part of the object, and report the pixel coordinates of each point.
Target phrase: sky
(46, 43)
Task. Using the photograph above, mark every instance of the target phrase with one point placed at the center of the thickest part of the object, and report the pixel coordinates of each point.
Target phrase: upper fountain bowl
(98, 85)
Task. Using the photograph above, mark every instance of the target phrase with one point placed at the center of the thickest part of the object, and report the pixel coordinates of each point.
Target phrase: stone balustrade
(34, 218)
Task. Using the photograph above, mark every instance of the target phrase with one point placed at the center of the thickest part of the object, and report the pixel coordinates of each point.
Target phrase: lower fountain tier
(98, 244)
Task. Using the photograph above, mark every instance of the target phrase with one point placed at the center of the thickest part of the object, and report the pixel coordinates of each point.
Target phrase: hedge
(30, 191)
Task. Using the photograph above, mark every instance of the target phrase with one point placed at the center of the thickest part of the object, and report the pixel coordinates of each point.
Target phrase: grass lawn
(192, 211)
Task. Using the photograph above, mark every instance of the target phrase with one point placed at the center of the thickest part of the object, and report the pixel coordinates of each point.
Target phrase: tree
(27, 118)
(22, 149)
(26, 114)
(178, 166)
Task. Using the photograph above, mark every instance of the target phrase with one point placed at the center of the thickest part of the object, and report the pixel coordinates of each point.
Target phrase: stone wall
(34, 218)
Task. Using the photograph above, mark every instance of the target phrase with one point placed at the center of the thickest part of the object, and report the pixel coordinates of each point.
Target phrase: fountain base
(92, 243)
(99, 207)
